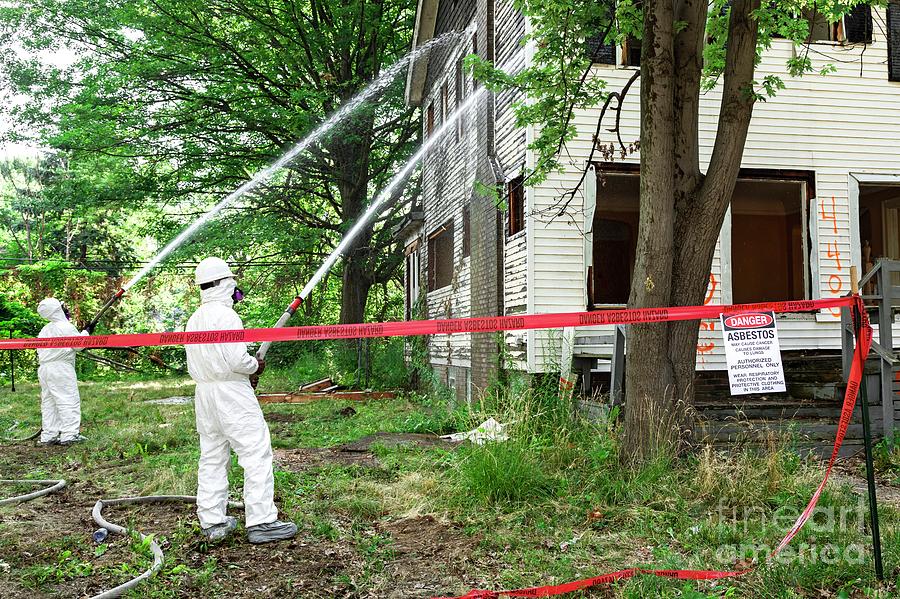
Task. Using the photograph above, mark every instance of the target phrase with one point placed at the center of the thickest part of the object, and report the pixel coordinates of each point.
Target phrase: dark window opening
(858, 25)
(769, 241)
(440, 257)
(467, 233)
(615, 238)
(444, 107)
(599, 51)
(459, 98)
(893, 40)
(475, 52)
(515, 197)
(429, 120)
(631, 52)
(820, 30)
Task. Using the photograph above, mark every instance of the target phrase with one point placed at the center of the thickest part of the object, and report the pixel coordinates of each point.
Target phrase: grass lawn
(405, 515)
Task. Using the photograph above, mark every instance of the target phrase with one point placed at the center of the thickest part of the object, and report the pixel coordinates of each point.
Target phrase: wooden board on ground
(267, 398)
(317, 386)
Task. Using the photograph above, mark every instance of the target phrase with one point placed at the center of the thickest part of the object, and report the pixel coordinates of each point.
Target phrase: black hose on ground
(97, 514)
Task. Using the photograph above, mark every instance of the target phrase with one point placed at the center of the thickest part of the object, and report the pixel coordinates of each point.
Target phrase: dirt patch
(290, 569)
(392, 440)
(282, 417)
(302, 459)
(429, 558)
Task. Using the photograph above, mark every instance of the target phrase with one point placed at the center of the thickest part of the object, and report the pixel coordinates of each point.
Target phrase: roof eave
(426, 18)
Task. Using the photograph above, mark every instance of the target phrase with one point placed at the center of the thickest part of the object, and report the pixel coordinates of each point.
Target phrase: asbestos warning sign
(753, 353)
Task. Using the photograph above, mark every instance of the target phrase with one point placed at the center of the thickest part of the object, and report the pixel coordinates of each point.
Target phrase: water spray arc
(374, 208)
(383, 81)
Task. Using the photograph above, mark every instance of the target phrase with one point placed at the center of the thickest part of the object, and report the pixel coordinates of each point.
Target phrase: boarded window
(440, 257)
(429, 120)
(515, 197)
(769, 241)
(467, 233)
(893, 40)
(858, 25)
(599, 51)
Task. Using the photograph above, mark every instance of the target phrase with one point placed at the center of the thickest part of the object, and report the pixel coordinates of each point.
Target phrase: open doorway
(879, 223)
(769, 239)
(615, 237)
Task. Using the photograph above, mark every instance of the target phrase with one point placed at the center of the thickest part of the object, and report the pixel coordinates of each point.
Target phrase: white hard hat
(212, 269)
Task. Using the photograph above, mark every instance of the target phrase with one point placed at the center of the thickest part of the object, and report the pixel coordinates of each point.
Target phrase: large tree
(202, 93)
(686, 45)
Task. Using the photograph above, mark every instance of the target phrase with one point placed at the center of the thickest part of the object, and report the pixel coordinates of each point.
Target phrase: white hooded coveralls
(60, 400)
(228, 416)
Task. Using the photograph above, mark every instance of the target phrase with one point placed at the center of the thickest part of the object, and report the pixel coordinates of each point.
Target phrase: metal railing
(881, 305)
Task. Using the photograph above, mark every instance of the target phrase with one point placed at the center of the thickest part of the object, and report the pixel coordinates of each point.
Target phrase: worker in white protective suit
(60, 400)
(229, 416)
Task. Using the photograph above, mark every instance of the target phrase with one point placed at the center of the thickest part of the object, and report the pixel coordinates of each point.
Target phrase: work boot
(73, 440)
(218, 532)
(271, 531)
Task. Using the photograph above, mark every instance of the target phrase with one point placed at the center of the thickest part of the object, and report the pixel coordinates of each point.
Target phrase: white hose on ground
(97, 514)
(55, 485)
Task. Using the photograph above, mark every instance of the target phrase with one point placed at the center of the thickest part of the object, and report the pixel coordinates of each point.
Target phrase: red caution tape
(863, 345)
(423, 327)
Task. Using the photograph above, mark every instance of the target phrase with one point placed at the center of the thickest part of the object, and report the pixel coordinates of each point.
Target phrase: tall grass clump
(551, 446)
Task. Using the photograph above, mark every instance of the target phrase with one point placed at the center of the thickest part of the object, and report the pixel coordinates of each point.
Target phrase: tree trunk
(649, 384)
(356, 283)
(681, 211)
(350, 150)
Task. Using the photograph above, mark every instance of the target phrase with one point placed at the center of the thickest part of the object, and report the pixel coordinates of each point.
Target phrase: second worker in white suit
(229, 416)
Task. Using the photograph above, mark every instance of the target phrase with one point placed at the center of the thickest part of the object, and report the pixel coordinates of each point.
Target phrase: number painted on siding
(832, 216)
(705, 348)
(835, 253)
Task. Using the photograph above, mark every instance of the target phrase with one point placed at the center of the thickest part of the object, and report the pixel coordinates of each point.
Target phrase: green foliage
(887, 456)
(177, 103)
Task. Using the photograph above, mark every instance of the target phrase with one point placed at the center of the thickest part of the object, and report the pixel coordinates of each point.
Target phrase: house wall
(481, 285)
(836, 124)
(511, 142)
(447, 178)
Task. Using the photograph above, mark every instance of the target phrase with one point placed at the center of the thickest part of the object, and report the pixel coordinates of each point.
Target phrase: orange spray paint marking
(832, 216)
(836, 254)
(708, 326)
(712, 289)
(835, 284)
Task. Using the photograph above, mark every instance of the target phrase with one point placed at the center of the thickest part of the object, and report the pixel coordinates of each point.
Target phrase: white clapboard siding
(837, 124)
